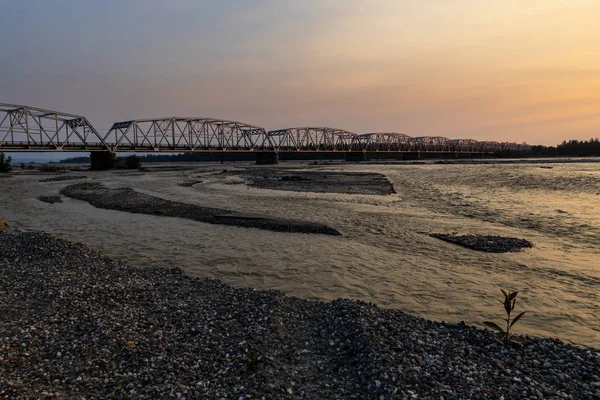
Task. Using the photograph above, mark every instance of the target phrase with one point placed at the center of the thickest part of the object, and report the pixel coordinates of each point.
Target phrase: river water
(385, 255)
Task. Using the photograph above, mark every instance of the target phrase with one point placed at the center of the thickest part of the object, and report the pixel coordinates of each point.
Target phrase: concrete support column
(356, 156)
(102, 160)
(267, 157)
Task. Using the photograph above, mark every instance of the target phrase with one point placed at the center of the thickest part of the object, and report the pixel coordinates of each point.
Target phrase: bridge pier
(267, 157)
(102, 160)
(356, 156)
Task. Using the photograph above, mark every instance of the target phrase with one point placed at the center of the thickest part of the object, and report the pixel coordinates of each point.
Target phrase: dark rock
(293, 178)
(50, 199)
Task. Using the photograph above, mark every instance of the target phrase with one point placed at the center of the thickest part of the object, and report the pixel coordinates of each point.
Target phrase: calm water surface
(385, 255)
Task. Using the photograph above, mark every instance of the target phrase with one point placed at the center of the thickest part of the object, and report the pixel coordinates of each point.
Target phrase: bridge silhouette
(31, 129)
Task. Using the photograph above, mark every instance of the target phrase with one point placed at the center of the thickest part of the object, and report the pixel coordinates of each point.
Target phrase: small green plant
(133, 162)
(5, 163)
(510, 299)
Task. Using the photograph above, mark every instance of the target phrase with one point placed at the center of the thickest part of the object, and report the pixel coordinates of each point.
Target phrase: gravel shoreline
(74, 324)
(127, 199)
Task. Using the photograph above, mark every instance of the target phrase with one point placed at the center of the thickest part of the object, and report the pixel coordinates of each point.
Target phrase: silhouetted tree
(133, 162)
(579, 148)
(5, 163)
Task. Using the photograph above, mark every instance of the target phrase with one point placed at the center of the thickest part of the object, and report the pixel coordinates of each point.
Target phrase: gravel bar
(75, 324)
(127, 199)
(299, 180)
(485, 243)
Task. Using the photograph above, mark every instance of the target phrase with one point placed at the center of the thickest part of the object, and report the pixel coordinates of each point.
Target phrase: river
(384, 255)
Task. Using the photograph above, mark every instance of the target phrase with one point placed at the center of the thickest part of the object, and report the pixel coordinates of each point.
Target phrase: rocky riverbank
(74, 324)
(127, 199)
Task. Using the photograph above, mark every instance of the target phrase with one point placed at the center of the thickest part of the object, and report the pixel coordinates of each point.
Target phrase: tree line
(569, 148)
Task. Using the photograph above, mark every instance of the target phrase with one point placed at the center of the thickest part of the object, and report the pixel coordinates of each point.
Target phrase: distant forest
(571, 148)
(581, 148)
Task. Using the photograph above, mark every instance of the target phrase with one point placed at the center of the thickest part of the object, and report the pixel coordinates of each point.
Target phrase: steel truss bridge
(25, 129)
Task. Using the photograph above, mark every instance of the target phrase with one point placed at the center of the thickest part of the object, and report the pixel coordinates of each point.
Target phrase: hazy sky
(490, 70)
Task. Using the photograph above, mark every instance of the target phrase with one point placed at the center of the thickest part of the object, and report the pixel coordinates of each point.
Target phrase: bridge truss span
(491, 146)
(313, 139)
(433, 143)
(185, 135)
(386, 141)
(466, 145)
(24, 128)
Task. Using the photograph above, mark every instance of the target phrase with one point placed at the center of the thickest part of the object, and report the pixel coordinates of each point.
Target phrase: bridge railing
(57, 146)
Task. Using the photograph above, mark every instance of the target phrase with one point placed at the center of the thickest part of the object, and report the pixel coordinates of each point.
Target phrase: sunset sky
(490, 70)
